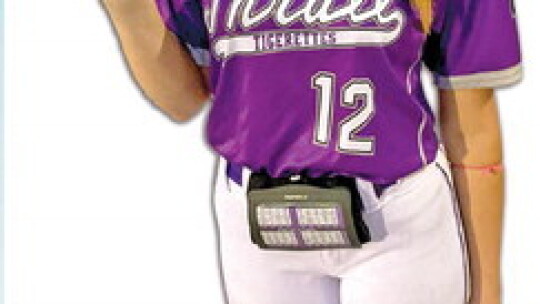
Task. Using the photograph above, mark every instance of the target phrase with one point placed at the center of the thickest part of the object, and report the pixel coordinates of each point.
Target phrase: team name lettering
(275, 41)
(316, 15)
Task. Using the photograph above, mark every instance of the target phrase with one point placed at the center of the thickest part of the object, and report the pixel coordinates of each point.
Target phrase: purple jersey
(333, 86)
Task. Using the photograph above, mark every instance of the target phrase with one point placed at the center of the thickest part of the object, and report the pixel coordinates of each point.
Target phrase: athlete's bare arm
(163, 68)
(471, 133)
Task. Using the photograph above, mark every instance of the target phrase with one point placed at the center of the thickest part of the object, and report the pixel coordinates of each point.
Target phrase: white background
(108, 201)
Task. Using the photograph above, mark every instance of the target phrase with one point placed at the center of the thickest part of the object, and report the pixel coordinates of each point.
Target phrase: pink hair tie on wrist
(486, 169)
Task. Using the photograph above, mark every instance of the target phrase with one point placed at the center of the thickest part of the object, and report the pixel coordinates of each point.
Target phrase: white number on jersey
(357, 94)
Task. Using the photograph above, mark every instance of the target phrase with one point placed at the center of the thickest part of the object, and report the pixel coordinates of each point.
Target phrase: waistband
(240, 174)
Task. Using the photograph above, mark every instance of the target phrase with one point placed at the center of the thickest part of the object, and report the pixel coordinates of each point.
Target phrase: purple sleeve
(185, 18)
(474, 43)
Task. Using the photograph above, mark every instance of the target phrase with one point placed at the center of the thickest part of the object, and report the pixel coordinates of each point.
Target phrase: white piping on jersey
(420, 133)
(409, 72)
(424, 114)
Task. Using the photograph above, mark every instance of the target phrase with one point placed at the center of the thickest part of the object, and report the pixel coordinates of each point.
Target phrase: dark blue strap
(234, 172)
(379, 188)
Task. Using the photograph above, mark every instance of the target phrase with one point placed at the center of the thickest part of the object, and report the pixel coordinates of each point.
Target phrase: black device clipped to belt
(305, 213)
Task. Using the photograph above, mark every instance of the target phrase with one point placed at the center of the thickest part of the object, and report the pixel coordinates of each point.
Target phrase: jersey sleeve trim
(201, 56)
(491, 79)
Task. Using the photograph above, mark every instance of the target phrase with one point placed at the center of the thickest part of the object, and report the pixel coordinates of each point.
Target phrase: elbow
(470, 126)
(178, 117)
(180, 110)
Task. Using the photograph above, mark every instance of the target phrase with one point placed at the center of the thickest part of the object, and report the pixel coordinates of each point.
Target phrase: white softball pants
(417, 255)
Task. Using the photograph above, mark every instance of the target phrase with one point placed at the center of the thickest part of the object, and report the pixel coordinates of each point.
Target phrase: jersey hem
(492, 79)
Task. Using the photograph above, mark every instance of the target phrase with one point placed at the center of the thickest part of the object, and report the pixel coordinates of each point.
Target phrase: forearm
(163, 68)
(473, 138)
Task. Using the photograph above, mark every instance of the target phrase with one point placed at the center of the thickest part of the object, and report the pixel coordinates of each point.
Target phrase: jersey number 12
(357, 94)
